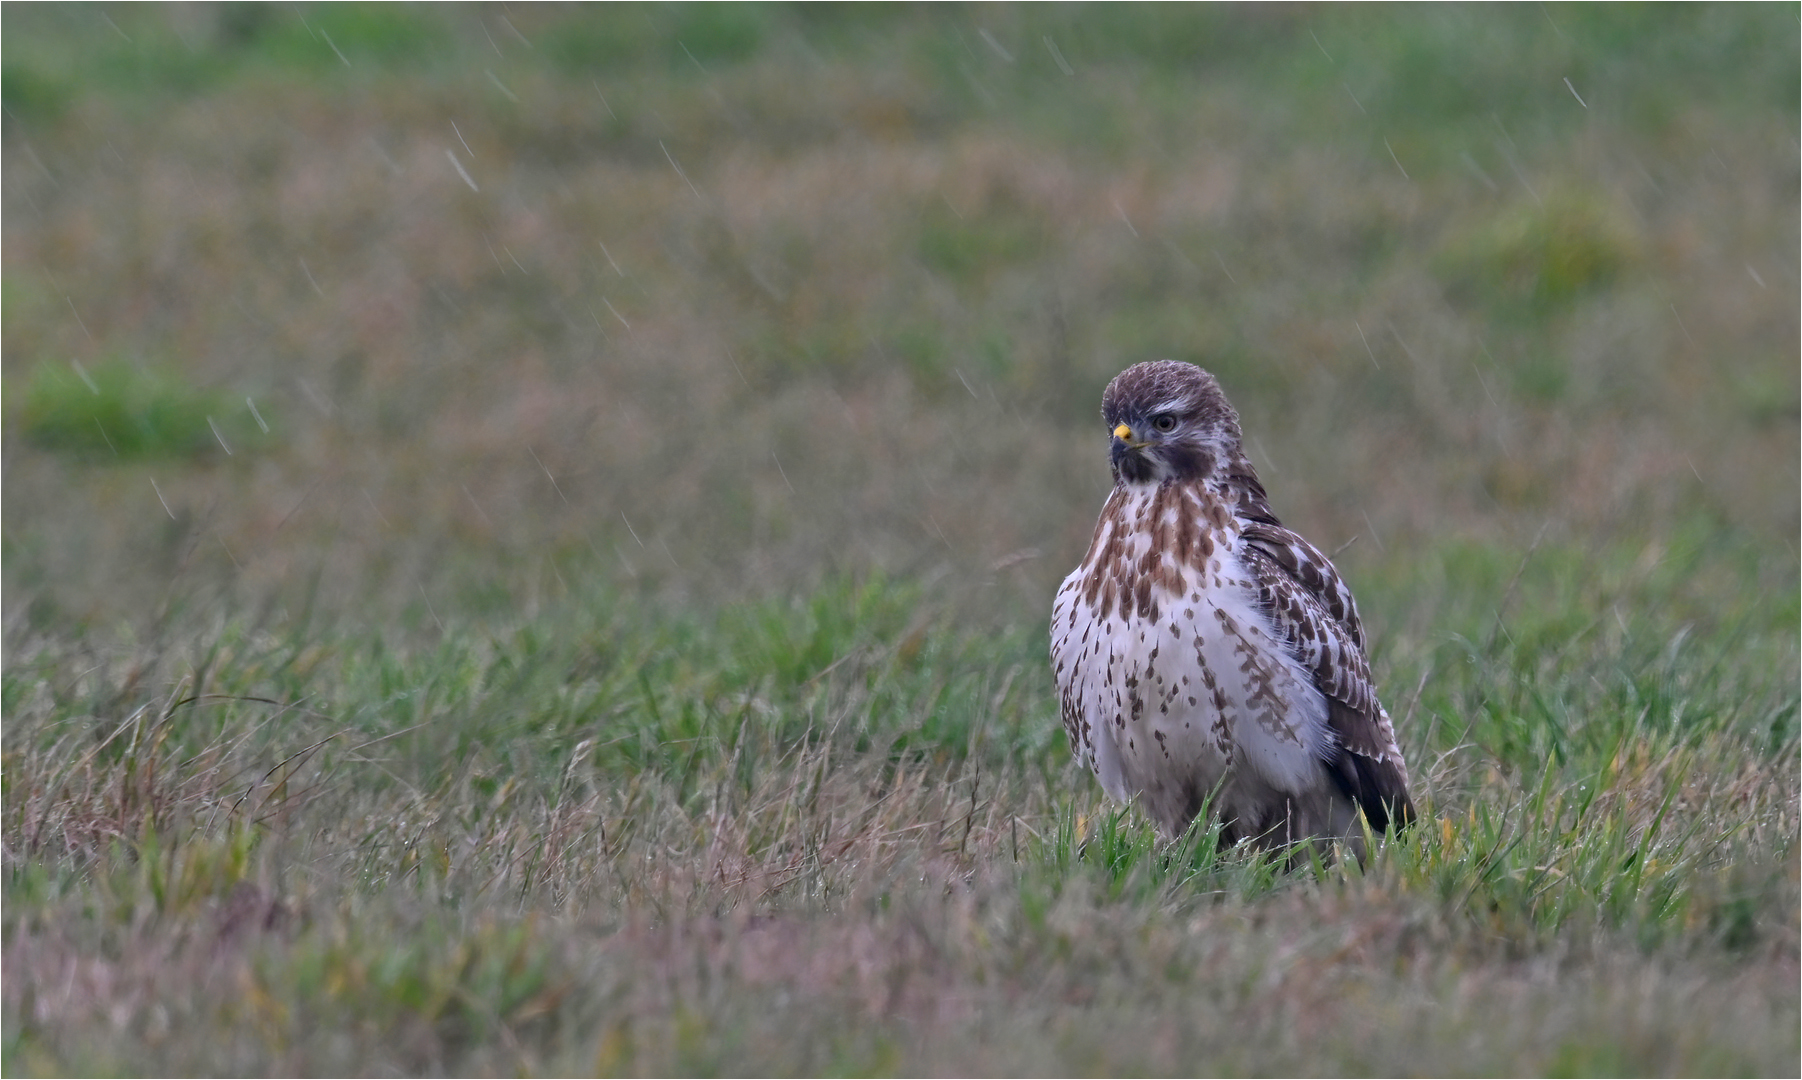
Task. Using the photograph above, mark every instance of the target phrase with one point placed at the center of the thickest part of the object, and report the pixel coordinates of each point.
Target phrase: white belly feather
(1165, 707)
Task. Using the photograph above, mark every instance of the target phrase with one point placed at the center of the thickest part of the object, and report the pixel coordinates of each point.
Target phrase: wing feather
(1313, 610)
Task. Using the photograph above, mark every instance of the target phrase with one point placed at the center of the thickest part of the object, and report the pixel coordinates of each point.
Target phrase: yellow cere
(1123, 432)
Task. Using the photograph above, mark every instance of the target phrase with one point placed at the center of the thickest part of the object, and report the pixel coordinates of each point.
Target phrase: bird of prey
(1207, 656)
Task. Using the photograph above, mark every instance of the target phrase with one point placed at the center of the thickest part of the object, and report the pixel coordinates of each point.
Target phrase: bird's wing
(1314, 612)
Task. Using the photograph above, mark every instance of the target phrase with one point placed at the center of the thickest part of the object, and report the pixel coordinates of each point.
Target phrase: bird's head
(1168, 421)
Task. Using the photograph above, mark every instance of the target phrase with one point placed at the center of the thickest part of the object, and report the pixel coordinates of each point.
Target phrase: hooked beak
(1130, 455)
(1124, 434)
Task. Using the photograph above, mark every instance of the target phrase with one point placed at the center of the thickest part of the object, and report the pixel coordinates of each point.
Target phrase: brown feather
(1203, 650)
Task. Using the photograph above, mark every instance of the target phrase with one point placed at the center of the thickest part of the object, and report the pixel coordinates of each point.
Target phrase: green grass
(591, 838)
(127, 413)
(615, 643)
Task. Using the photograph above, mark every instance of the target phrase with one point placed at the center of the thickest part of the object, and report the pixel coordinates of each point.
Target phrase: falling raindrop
(458, 165)
(678, 168)
(334, 45)
(159, 498)
(502, 87)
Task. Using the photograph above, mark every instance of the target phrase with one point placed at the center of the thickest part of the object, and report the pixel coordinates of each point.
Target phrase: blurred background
(411, 314)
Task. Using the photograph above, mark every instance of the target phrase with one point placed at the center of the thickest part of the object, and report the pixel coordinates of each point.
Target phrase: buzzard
(1206, 655)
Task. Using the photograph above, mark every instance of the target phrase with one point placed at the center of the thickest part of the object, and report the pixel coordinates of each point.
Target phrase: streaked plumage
(1202, 650)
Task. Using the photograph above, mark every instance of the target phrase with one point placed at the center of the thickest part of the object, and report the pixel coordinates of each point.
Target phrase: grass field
(528, 532)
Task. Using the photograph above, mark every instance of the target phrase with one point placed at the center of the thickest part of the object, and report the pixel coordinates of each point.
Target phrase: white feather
(1273, 721)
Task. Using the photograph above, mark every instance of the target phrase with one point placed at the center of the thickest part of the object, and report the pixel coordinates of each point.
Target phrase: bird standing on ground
(1207, 656)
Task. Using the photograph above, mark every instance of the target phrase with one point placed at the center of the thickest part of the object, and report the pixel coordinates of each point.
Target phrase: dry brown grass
(841, 916)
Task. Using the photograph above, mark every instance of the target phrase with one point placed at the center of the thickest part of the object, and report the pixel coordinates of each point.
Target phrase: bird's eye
(1164, 422)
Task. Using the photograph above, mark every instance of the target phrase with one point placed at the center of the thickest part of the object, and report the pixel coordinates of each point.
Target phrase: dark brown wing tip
(1378, 788)
(1390, 813)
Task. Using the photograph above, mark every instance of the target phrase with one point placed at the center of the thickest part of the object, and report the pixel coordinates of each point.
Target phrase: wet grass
(656, 842)
(614, 640)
